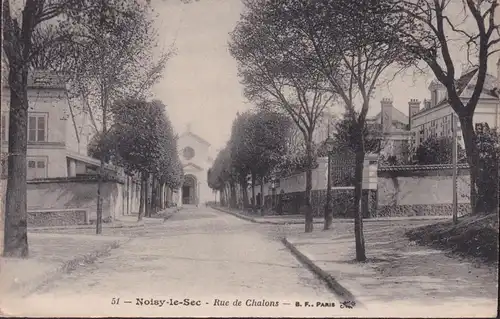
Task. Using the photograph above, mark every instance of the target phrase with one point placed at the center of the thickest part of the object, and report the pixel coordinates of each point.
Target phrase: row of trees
(297, 55)
(256, 148)
(104, 50)
(142, 141)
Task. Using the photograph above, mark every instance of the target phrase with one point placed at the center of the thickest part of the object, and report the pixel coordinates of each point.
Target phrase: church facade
(195, 156)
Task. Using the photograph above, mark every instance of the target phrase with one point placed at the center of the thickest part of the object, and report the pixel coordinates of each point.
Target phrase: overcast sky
(200, 85)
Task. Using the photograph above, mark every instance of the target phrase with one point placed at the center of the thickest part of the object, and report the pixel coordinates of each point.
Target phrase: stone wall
(421, 190)
(54, 217)
(65, 196)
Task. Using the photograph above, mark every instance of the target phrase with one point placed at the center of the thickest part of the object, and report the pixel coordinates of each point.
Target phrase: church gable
(191, 167)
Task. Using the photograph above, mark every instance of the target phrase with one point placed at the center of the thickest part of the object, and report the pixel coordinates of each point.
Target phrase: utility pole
(328, 215)
(454, 162)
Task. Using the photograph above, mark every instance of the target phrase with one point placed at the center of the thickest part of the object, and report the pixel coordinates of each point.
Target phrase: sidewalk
(125, 221)
(299, 219)
(399, 278)
(50, 256)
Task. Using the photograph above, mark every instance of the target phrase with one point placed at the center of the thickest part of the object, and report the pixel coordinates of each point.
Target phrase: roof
(44, 79)
(397, 116)
(193, 165)
(466, 83)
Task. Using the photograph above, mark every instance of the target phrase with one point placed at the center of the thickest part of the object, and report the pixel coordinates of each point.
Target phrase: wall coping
(75, 179)
(55, 210)
(414, 168)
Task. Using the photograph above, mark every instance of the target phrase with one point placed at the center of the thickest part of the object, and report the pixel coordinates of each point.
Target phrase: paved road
(200, 254)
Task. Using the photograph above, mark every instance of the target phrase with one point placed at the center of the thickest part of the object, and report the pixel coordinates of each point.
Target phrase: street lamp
(329, 143)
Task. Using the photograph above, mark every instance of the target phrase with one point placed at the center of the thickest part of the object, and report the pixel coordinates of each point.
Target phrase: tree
(436, 150)
(340, 45)
(489, 168)
(276, 80)
(19, 51)
(426, 37)
(113, 60)
(268, 137)
(142, 140)
(257, 144)
(345, 133)
(240, 147)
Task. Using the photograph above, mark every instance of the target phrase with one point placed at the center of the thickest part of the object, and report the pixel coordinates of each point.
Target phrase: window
(37, 128)
(4, 127)
(188, 153)
(36, 168)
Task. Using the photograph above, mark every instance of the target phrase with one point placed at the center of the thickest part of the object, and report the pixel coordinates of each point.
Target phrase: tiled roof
(398, 168)
(466, 83)
(43, 79)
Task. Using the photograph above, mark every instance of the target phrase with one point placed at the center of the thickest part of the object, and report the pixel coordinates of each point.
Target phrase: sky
(200, 85)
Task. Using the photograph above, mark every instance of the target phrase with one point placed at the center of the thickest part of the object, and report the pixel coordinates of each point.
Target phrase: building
(395, 129)
(196, 158)
(61, 186)
(435, 118)
(58, 129)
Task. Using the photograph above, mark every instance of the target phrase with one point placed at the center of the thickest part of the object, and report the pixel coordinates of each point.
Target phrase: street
(199, 254)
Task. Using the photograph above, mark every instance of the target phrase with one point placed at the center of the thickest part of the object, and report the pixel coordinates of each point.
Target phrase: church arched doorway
(190, 190)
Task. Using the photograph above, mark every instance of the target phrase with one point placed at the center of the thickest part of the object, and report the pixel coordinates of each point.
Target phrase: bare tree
(433, 27)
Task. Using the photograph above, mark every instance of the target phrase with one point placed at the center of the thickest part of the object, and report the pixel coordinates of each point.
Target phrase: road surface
(206, 260)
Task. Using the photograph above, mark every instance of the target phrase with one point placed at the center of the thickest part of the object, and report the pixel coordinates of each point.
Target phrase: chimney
(413, 108)
(386, 118)
(427, 104)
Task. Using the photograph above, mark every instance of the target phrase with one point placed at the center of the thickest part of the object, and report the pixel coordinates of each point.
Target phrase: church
(196, 159)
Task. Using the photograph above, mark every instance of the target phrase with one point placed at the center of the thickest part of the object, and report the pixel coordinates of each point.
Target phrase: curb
(28, 288)
(294, 222)
(333, 284)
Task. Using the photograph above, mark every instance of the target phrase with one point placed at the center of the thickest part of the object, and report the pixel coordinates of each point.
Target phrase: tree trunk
(471, 150)
(233, 195)
(358, 218)
(128, 194)
(328, 214)
(308, 213)
(147, 197)
(162, 196)
(244, 193)
(253, 192)
(262, 206)
(142, 199)
(16, 226)
(153, 195)
(100, 182)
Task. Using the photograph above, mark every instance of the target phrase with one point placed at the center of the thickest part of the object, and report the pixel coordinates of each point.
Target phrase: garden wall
(73, 201)
(421, 190)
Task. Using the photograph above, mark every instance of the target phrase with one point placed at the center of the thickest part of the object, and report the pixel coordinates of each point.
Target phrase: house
(61, 186)
(395, 129)
(435, 118)
(58, 129)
